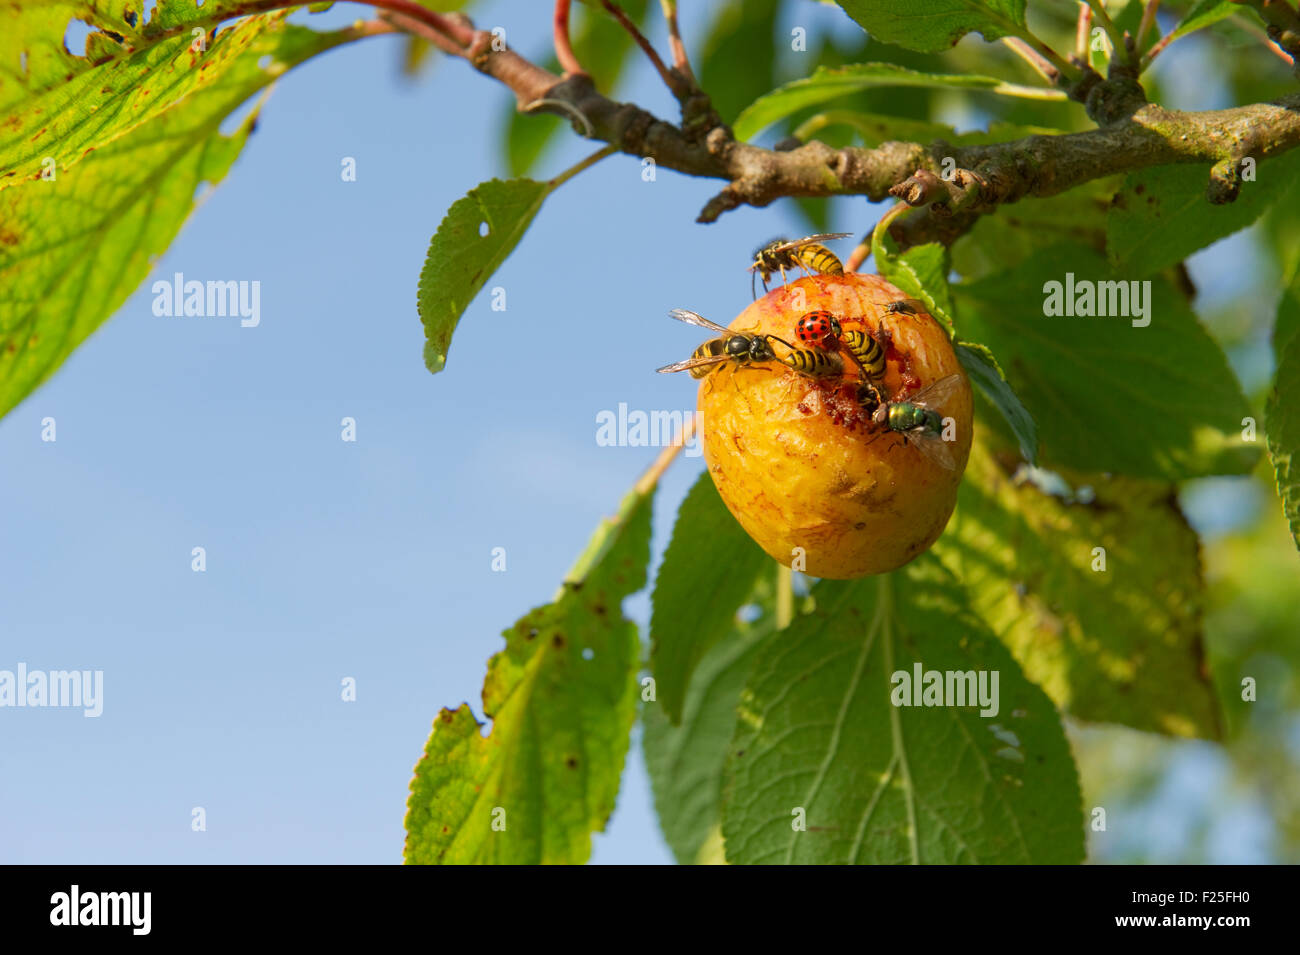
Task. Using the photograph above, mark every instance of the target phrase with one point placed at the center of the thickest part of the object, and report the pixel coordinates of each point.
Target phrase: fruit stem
(784, 596)
(587, 163)
(666, 457)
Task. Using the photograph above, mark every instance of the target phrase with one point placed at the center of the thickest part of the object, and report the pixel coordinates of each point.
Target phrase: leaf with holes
(842, 756)
(1112, 635)
(478, 233)
(1161, 216)
(74, 247)
(61, 106)
(931, 26)
(562, 698)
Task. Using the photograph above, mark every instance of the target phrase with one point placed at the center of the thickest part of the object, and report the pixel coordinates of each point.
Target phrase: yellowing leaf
(1100, 602)
(59, 106)
(73, 248)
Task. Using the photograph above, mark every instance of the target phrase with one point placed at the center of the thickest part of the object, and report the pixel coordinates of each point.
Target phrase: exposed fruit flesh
(798, 461)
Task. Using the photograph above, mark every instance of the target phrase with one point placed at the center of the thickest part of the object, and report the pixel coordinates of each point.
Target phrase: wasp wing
(694, 318)
(812, 240)
(936, 395)
(690, 363)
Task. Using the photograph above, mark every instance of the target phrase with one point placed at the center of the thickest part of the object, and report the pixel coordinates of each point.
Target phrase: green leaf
(1282, 424)
(921, 272)
(73, 248)
(1205, 13)
(887, 784)
(1114, 636)
(1288, 316)
(64, 106)
(988, 376)
(685, 762)
(1161, 216)
(1002, 239)
(534, 789)
(829, 83)
(461, 259)
(737, 61)
(1157, 401)
(932, 26)
(872, 129)
(708, 570)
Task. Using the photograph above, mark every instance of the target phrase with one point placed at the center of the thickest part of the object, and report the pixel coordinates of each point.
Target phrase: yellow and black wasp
(807, 254)
(745, 349)
(822, 329)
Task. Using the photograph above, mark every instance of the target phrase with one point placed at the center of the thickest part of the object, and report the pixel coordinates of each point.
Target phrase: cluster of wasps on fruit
(824, 347)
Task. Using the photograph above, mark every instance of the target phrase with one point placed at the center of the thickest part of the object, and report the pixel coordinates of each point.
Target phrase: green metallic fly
(920, 422)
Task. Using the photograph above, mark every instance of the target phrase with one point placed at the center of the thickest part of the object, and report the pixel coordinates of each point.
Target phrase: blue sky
(328, 559)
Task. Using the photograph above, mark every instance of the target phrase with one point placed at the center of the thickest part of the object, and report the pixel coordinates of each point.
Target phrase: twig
(666, 457)
(1083, 34)
(1155, 50)
(564, 54)
(1065, 68)
(1035, 166)
(1246, 24)
(1118, 46)
(1148, 20)
(423, 30)
(680, 61)
(858, 255)
(674, 83)
(1034, 58)
(1283, 24)
(1261, 34)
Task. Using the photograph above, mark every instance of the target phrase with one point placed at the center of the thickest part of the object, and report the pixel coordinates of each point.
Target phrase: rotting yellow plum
(799, 462)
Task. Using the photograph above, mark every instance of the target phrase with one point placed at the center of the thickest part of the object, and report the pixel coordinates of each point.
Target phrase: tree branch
(681, 63)
(992, 174)
(674, 83)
